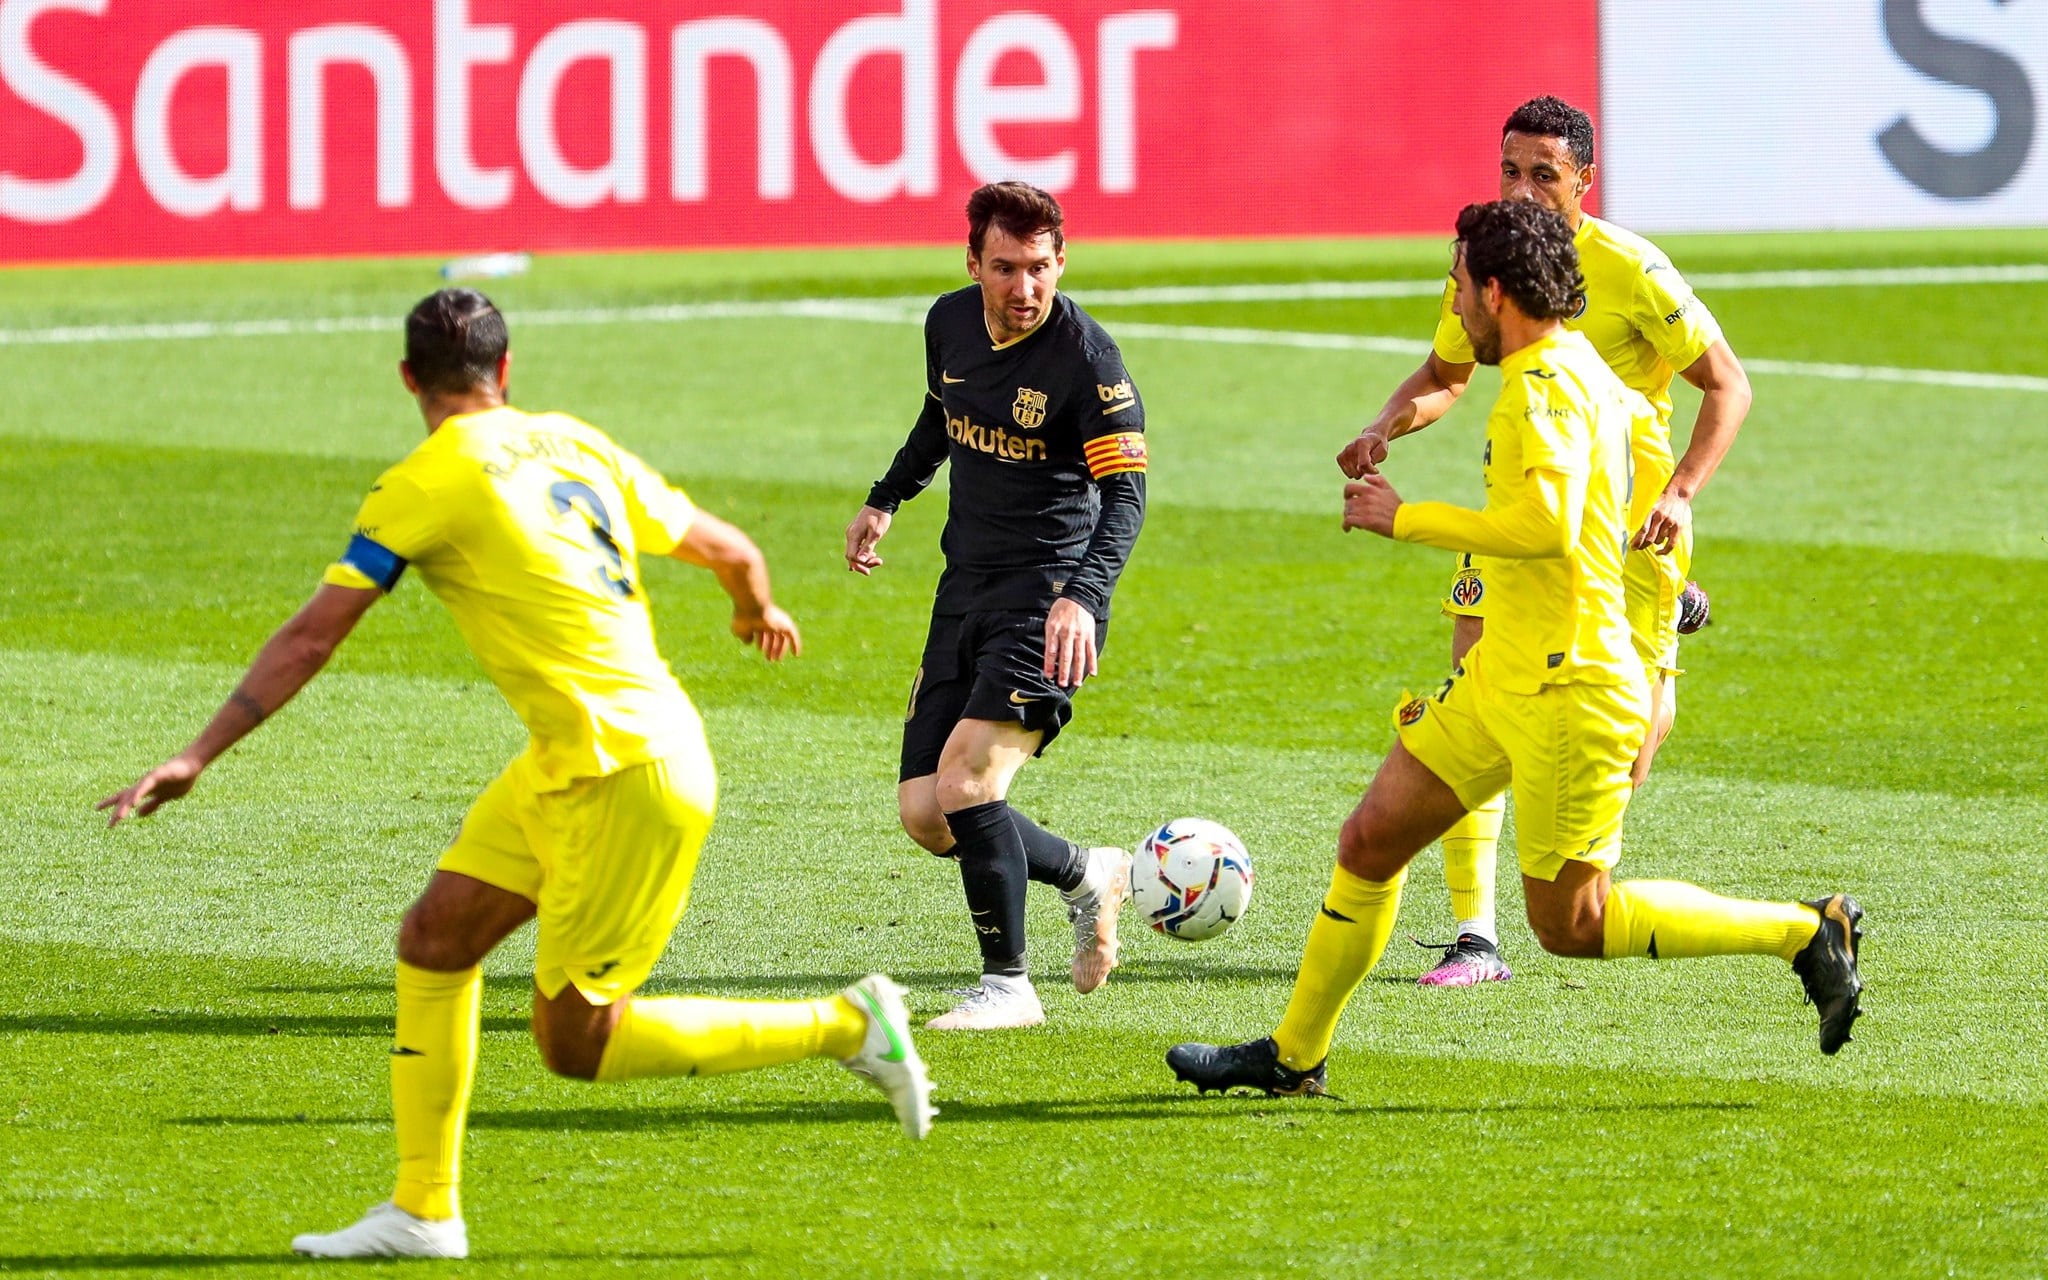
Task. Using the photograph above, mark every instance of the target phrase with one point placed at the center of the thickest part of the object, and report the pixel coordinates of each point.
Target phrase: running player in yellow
(530, 528)
(1550, 701)
(1645, 322)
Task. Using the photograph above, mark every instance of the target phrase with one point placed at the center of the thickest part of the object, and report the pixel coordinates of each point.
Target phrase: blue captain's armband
(378, 563)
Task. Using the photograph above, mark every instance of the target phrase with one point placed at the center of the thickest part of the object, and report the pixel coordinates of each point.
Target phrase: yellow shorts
(1651, 586)
(1566, 751)
(607, 862)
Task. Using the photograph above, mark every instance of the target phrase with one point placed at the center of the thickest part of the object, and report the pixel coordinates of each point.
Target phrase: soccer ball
(1191, 879)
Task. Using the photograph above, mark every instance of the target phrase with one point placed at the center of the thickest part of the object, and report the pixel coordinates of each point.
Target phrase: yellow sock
(433, 1063)
(1469, 856)
(1344, 944)
(689, 1035)
(1669, 919)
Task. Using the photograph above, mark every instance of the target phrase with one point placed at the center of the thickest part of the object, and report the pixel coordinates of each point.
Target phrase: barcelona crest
(1029, 410)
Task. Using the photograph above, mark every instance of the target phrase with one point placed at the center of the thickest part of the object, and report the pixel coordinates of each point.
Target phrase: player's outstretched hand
(1363, 456)
(861, 536)
(1667, 523)
(1369, 504)
(772, 631)
(1069, 644)
(153, 790)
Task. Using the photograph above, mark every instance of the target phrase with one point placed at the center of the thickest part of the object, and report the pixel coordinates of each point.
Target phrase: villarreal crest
(1029, 410)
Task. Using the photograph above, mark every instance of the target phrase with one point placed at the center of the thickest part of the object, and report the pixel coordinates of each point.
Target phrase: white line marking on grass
(1344, 290)
(1882, 373)
(1872, 277)
(910, 311)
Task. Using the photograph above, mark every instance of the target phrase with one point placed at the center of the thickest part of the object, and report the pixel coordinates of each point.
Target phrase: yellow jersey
(1643, 319)
(529, 527)
(1554, 619)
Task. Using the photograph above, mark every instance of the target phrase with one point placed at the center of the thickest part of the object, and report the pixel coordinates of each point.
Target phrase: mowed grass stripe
(1825, 666)
(318, 874)
(1818, 464)
(910, 312)
(780, 1169)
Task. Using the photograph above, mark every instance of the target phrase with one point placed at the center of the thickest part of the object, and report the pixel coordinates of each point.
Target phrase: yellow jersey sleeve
(1452, 344)
(1670, 316)
(398, 523)
(660, 513)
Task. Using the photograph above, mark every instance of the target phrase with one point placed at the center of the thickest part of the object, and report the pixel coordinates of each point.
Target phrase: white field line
(911, 310)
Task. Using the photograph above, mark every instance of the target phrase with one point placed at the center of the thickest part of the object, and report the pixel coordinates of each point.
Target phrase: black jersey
(1046, 434)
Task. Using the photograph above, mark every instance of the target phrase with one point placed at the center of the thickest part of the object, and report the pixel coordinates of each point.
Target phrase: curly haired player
(1645, 322)
(1551, 701)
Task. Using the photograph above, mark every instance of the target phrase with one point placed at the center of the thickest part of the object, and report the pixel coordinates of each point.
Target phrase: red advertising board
(134, 129)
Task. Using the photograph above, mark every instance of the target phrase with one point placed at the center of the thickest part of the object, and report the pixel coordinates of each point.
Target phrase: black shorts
(982, 666)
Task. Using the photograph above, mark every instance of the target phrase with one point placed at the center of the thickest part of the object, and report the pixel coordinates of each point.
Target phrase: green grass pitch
(193, 1030)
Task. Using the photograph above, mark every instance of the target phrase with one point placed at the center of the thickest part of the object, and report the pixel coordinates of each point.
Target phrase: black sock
(1054, 860)
(993, 870)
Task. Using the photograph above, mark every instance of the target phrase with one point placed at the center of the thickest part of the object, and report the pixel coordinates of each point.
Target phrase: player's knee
(1361, 852)
(963, 790)
(1578, 937)
(425, 943)
(926, 824)
(572, 1052)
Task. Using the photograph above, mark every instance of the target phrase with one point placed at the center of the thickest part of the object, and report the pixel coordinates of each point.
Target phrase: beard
(1486, 346)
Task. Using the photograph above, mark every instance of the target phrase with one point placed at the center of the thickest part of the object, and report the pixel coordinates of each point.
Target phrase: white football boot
(887, 1058)
(388, 1231)
(1093, 908)
(998, 1004)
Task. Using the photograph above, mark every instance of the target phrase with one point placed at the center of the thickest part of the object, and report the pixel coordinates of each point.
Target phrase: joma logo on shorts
(995, 440)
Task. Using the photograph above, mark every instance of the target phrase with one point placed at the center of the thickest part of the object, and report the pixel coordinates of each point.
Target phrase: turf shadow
(214, 1024)
(957, 1111)
(174, 1261)
(137, 1261)
(1143, 971)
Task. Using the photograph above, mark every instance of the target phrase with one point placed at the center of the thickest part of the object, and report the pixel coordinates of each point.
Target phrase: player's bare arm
(1724, 403)
(862, 536)
(742, 572)
(292, 656)
(1423, 396)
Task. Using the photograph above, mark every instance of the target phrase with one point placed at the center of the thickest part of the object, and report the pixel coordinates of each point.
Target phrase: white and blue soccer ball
(1191, 879)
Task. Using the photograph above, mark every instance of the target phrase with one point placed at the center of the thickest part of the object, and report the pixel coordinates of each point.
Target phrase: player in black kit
(1029, 400)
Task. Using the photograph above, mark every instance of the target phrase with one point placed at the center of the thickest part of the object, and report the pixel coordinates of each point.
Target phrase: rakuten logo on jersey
(586, 101)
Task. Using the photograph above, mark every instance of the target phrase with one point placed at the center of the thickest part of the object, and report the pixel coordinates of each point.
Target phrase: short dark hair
(1017, 209)
(1549, 117)
(1528, 249)
(454, 341)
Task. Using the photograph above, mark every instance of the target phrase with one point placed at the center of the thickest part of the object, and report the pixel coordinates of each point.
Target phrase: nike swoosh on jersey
(1019, 700)
(949, 379)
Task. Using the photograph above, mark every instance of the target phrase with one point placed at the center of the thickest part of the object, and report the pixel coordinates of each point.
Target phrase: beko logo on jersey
(1111, 394)
(995, 440)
